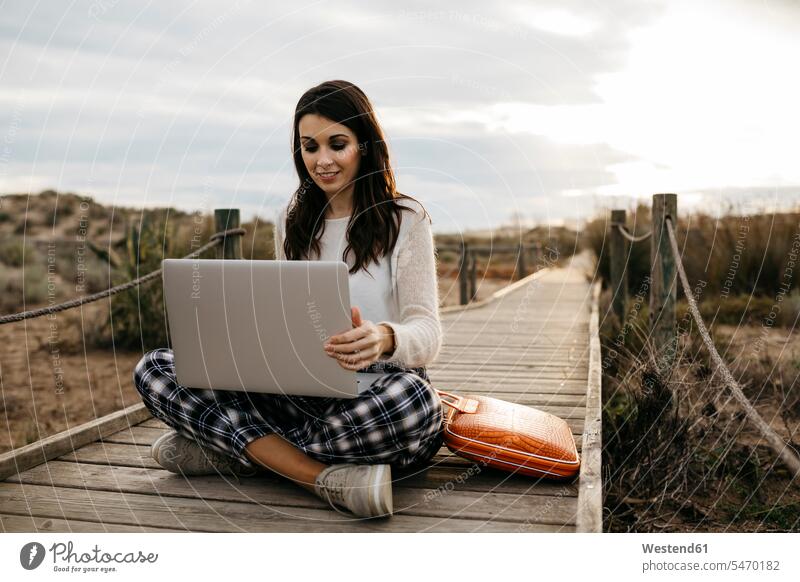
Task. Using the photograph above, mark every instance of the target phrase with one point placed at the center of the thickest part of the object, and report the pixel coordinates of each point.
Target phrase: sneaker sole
(380, 501)
(157, 445)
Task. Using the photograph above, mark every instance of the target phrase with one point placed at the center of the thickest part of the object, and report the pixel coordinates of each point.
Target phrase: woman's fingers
(352, 335)
(356, 362)
(364, 343)
(357, 348)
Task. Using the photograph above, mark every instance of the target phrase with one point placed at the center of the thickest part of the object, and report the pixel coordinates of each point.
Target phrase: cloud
(544, 108)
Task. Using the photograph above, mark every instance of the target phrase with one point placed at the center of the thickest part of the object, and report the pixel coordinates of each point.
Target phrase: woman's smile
(328, 176)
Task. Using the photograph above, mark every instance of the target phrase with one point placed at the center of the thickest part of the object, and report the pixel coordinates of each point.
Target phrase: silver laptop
(260, 326)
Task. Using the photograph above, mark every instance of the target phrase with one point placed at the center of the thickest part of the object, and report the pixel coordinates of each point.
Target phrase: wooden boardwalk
(535, 344)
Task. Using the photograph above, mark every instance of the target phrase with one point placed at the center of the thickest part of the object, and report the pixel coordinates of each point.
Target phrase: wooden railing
(468, 258)
(665, 265)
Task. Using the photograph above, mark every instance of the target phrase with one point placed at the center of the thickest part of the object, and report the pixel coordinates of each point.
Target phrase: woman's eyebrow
(331, 137)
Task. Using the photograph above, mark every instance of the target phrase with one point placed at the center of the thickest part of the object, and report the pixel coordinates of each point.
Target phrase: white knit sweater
(418, 335)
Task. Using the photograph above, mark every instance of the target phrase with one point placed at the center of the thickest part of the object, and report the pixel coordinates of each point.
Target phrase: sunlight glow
(555, 20)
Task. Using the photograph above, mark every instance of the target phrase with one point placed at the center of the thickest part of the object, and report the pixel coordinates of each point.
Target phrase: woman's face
(330, 152)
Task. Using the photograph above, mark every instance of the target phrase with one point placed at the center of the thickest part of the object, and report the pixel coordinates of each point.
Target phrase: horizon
(577, 225)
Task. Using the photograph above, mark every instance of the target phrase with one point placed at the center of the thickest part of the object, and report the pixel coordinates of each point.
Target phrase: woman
(346, 208)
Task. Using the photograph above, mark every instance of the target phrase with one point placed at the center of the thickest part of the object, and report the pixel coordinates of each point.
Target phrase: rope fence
(783, 450)
(214, 240)
(666, 266)
(632, 237)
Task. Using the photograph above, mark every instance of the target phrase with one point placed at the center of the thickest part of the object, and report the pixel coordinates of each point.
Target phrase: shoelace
(221, 464)
(327, 493)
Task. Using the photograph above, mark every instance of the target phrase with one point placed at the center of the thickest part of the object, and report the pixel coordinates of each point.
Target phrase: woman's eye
(311, 149)
(339, 146)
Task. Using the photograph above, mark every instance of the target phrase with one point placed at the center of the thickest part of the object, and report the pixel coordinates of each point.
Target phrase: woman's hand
(360, 346)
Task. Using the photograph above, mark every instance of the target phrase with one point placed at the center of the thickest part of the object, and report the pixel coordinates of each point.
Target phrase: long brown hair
(375, 223)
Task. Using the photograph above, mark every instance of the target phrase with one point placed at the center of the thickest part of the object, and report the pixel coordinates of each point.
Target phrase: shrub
(11, 252)
(138, 314)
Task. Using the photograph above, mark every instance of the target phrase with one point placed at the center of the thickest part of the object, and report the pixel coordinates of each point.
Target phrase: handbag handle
(460, 403)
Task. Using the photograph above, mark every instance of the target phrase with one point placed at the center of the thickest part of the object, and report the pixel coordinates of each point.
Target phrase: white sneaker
(182, 455)
(364, 490)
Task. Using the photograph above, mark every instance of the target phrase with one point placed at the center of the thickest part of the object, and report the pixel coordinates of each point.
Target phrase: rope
(786, 453)
(212, 242)
(633, 238)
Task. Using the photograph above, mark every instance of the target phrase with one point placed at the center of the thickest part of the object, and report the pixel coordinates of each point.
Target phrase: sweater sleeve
(418, 336)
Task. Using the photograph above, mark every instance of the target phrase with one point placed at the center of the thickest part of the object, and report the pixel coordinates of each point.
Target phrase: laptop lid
(259, 325)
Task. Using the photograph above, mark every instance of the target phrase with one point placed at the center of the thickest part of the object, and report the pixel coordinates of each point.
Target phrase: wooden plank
(521, 369)
(27, 523)
(513, 383)
(561, 313)
(525, 327)
(532, 398)
(556, 371)
(54, 446)
(513, 354)
(558, 374)
(491, 336)
(521, 355)
(503, 342)
(121, 455)
(506, 343)
(576, 411)
(590, 490)
(222, 516)
(573, 387)
(139, 435)
(479, 479)
(491, 376)
(536, 400)
(135, 435)
(500, 294)
(144, 437)
(274, 492)
(564, 355)
(547, 402)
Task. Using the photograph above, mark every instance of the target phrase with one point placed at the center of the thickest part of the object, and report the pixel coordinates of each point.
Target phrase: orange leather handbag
(509, 436)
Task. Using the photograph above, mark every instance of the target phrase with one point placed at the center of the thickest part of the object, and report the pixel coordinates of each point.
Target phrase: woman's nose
(325, 160)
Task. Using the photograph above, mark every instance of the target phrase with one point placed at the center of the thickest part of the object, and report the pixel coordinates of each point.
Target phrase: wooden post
(521, 272)
(537, 256)
(231, 246)
(462, 274)
(663, 284)
(473, 278)
(617, 257)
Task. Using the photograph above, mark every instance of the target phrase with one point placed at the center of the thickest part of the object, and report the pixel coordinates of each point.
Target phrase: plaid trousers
(398, 420)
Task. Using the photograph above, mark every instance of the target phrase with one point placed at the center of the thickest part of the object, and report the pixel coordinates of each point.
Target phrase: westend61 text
(670, 549)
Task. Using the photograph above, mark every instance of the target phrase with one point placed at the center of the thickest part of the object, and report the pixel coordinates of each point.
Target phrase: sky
(549, 111)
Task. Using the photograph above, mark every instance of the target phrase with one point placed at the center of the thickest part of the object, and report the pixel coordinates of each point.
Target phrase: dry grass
(678, 455)
(736, 256)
